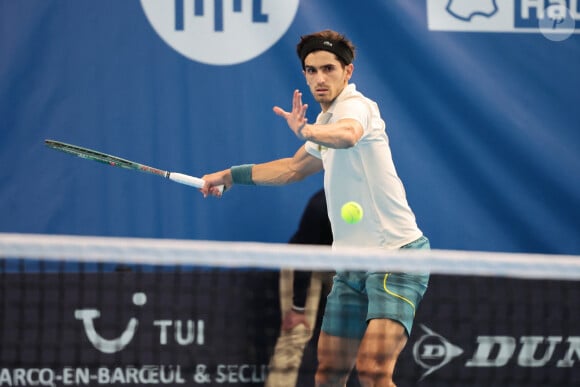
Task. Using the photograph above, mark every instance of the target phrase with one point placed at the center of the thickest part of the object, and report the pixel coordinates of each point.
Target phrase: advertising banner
(218, 328)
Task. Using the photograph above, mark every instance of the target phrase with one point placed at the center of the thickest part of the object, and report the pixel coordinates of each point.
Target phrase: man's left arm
(342, 134)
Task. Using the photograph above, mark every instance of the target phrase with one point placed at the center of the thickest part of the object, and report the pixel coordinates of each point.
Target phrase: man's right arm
(288, 170)
(277, 172)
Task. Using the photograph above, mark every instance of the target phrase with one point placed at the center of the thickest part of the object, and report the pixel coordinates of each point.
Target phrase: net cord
(276, 256)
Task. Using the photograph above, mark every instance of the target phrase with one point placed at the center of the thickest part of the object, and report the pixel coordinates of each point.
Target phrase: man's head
(327, 63)
(326, 40)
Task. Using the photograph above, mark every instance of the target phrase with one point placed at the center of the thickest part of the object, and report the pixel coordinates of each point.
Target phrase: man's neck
(326, 105)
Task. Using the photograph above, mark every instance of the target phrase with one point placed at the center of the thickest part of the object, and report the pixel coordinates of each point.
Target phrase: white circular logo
(220, 32)
(557, 23)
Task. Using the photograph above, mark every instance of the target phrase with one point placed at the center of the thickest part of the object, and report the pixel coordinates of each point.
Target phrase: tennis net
(94, 311)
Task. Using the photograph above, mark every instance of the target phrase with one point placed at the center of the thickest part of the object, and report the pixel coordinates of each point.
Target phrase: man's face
(325, 76)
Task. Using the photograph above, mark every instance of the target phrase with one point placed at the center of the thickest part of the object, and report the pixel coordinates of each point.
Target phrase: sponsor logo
(467, 9)
(556, 19)
(87, 316)
(432, 351)
(184, 331)
(220, 32)
(170, 332)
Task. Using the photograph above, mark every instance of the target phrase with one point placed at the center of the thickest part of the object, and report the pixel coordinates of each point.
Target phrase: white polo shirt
(365, 174)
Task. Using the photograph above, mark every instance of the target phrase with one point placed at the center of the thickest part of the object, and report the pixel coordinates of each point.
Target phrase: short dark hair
(327, 40)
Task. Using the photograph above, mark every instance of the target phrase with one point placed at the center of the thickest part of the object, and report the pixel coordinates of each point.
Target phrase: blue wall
(484, 126)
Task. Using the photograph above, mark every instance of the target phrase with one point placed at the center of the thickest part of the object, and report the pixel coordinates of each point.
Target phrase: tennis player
(368, 315)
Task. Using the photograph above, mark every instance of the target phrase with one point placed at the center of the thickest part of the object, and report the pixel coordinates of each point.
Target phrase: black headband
(340, 49)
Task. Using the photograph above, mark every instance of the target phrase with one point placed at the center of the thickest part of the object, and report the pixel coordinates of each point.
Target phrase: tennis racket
(115, 161)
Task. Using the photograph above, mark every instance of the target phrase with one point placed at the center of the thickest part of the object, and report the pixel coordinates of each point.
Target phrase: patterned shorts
(357, 297)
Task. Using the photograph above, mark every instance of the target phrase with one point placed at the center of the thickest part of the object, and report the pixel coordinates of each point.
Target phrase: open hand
(296, 118)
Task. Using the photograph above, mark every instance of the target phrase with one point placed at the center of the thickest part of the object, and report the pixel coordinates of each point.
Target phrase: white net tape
(275, 256)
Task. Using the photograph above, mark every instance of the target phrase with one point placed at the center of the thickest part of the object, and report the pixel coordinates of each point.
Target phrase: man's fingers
(297, 101)
(279, 111)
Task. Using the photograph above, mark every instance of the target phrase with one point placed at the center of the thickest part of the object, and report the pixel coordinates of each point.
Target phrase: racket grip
(189, 180)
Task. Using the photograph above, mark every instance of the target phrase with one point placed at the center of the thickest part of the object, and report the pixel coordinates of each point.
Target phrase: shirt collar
(348, 91)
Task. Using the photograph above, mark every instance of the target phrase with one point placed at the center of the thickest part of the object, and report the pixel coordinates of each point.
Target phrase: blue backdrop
(483, 122)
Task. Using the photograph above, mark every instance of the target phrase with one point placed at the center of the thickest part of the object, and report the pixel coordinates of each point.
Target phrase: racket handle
(189, 180)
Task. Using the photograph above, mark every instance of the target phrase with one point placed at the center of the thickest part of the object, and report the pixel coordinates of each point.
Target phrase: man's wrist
(298, 309)
(303, 132)
(242, 174)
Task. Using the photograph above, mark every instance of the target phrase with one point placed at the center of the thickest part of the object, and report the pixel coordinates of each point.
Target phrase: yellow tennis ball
(351, 212)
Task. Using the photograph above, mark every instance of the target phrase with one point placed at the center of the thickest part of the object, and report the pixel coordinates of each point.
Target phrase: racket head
(91, 154)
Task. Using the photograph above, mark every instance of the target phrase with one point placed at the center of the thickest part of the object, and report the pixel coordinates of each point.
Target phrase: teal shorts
(357, 297)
